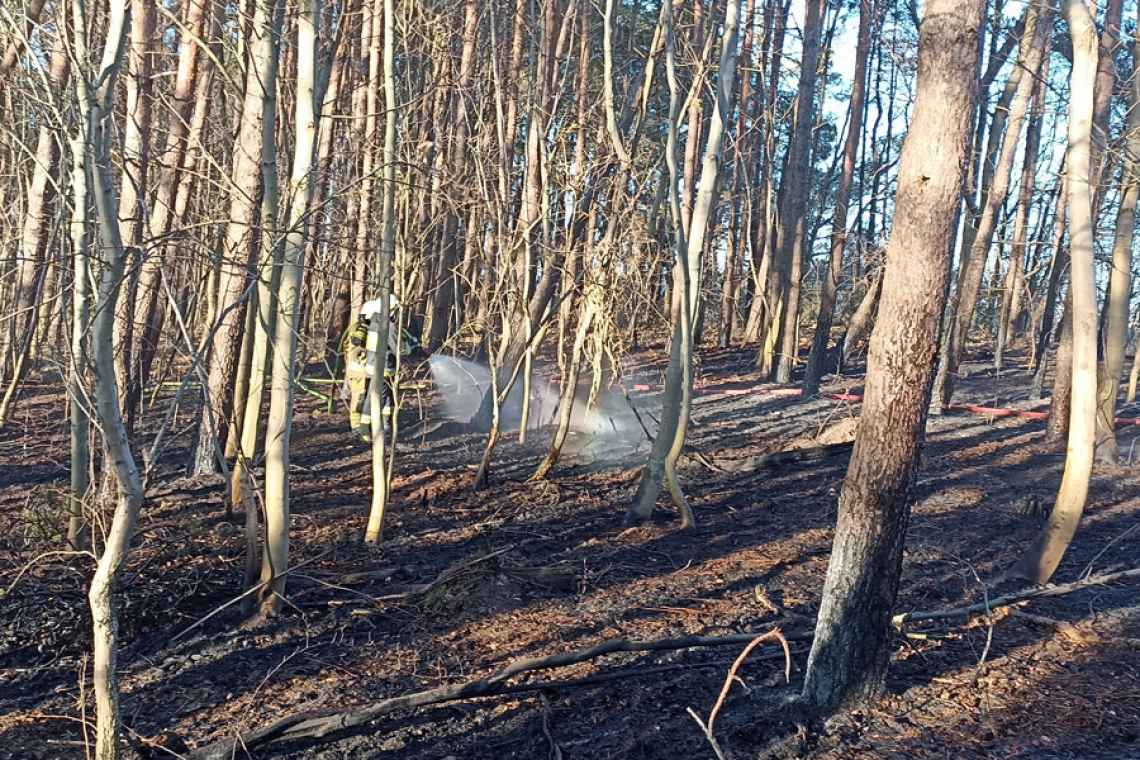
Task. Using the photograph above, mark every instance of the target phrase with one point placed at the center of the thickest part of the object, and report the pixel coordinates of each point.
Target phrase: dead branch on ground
(321, 724)
(1018, 596)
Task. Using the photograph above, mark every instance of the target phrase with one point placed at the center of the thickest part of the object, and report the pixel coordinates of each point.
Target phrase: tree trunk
(1057, 267)
(1119, 290)
(1015, 275)
(80, 319)
(15, 48)
(132, 206)
(97, 108)
(34, 238)
(1060, 401)
(1134, 375)
(259, 339)
(380, 468)
(446, 292)
(589, 308)
(1038, 22)
(661, 467)
(190, 104)
(1043, 557)
(814, 370)
(244, 220)
(860, 323)
(795, 190)
(852, 644)
(275, 559)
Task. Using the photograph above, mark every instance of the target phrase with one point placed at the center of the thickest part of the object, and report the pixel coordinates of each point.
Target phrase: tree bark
(1037, 25)
(446, 292)
(1057, 267)
(795, 190)
(132, 205)
(849, 655)
(1119, 289)
(1041, 560)
(275, 559)
(244, 219)
(97, 108)
(34, 237)
(189, 107)
(15, 48)
(1060, 400)
(380, 468)
(667, 447)
(814, 370)
(81, 316)
(1015, 277)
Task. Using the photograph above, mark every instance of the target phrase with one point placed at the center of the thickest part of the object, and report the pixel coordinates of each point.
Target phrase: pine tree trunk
(814, 370)
(795, 190)
(852, 644)
(1038, 21)
(240, 238)
(34, 237)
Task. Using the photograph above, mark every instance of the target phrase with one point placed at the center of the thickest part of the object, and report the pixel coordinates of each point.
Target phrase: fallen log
(1006, 600)
(807, 455)
(321, 724)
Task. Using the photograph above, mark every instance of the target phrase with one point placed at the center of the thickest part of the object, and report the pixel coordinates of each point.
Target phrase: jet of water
(462, 385)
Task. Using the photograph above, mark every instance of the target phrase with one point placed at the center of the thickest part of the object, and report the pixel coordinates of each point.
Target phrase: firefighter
(360, 357)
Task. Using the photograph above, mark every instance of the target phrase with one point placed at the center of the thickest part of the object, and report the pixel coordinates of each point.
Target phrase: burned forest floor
(463, 583)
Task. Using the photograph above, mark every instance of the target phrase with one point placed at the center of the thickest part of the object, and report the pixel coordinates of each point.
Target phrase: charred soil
(467, 582)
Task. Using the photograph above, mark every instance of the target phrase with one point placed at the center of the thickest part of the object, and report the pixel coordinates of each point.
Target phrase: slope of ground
(537, 568)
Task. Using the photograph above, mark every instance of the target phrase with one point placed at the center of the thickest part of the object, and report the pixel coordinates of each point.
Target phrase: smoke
(608, 429)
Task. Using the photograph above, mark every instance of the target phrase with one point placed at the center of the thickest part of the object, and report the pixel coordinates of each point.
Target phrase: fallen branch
(1017, 596)
(323, 723)
(775, 633)
(807, 455)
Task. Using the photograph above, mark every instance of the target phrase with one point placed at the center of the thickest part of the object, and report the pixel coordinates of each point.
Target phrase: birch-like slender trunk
(80, 322)
(661, 467)
(275, 559)
(97, 109)
(248, 395)
(1119, 289)
(375, 529)
(1041, 560)
(243, 219)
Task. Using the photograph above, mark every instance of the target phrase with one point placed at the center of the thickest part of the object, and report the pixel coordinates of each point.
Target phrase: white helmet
(372, 307)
